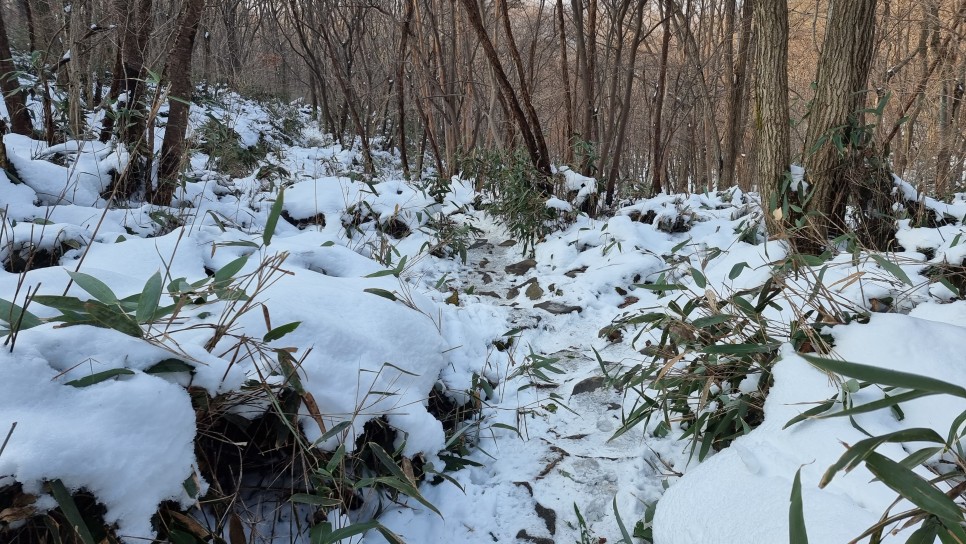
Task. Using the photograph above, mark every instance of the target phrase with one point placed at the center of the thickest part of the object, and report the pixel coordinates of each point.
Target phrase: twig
(7, 439)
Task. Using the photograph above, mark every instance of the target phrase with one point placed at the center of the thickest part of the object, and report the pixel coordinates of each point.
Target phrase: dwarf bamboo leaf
(14, 315)
(99, 377)
(699, 278)
(149, 299)
(892, 268)
(95, 287)
(281, 331)
(797, 533)
(69, 508)
(863, 448)
(113, 318)
(227, 272)
(884, 376)
(914, 488)
(273, 216)
(381, 292)
(169, 366)
(736, 270)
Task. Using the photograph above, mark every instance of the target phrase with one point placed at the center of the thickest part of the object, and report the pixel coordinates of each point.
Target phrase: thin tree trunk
(401, 87)
(12, 96)
(541, 160)
(178, 71)
(771, 104)
(565, 75)
(657, 156)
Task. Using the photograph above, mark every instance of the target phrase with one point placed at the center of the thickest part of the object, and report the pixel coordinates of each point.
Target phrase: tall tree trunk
(401, 86)
(735, 87)
(770, 20)
(178, 72)
(843, 70)
(12, 97)
(565, 75)
(28, 14)
(625, 108)
(541, 161)
(657, 155)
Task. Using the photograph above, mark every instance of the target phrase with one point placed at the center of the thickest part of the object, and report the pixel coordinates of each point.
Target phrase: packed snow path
(563, 457)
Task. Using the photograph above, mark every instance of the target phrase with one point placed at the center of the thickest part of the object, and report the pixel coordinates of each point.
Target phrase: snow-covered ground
(351, 299)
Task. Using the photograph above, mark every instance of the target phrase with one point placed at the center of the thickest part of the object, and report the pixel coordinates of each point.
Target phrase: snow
(384, 324)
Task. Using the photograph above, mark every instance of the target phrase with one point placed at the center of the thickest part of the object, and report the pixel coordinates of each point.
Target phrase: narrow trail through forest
(563, 456)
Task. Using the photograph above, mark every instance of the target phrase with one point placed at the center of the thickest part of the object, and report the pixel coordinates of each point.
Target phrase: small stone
(487, 278)
(534, 291)
(512, 293)
(508, 243)
(588, 385)
(480, 242)
(557, 308)
(628, 301)
(521, 268)
(483, 262)
(492, 294)
(573, 273)
(523, 535)
(548, 516)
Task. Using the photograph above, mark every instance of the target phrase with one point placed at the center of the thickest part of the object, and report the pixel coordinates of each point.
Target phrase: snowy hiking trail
(564, 456)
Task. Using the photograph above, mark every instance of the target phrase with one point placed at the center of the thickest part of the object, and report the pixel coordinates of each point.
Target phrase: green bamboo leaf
(273, 216)
(14, 314)
(626, 537)
(892, 268)
(399, 481)
(63, 304)
(323, 533)
(736, 270)
(699, 278)
(316, 500)
(381, 273)
(863, 448)
(381, 292)
(926, 534)
(227, 272)
(281, 331)
(914, 488)
(168, 366)
(740, 349)
(69, 508)
(954, 429)
(99, 377)
(812, 412)
(883, 376)
(95, 287)
(113, 318)
(886, 402)
(149, 299)
(660, 287)
(797, 534)
(711, 320)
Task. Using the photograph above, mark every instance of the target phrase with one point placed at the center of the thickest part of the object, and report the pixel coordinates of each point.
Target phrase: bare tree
(178, 72)
(12, 97)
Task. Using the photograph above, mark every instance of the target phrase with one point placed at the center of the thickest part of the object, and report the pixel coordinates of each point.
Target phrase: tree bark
(843, 70)
(178, 72)
(12, 96)
(770, 21)
(657, 155)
